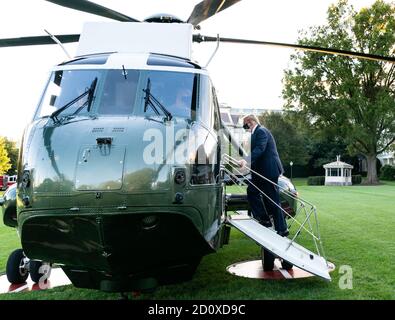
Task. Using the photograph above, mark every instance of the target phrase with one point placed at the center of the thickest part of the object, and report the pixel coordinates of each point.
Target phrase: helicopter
(121, 171)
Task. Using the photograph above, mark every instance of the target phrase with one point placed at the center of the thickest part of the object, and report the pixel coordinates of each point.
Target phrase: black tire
(34, 270)
(286, 265)
(267, 260)
(16, 272)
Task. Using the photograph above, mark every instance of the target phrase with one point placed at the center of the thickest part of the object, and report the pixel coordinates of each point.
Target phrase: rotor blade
(38, 40)
(367, 56)
(208, 8)
(90, 7)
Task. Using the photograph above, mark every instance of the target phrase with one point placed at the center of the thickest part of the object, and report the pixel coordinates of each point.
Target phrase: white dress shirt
(253, 129)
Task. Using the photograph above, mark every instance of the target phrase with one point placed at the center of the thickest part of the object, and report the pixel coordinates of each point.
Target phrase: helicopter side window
(217, 117)
(176, 91)
(206, 102)
(65, 86)
(119, 92)
(205, 168)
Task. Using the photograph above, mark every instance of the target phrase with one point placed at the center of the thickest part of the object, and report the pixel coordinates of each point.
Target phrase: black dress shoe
(284, 233)
(266, 224)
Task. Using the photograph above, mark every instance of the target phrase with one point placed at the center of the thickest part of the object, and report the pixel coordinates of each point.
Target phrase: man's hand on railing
(242, 163)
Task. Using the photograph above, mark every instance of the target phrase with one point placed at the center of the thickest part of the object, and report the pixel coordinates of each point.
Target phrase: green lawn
(357, 225)
(8, 241)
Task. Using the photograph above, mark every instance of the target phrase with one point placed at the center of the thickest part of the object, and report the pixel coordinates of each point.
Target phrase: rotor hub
(163, 18)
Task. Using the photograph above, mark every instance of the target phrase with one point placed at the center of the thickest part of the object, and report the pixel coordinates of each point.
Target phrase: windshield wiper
(89, 100)
(89, 92)
(151, 101)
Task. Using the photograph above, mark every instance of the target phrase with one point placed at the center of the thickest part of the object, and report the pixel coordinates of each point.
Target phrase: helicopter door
(280, 246)
(91, 161)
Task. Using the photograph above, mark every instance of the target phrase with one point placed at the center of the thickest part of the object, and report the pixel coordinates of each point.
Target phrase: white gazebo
(338, 173)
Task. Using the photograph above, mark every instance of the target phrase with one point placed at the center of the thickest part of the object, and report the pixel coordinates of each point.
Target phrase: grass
(357, 226)
(8, 241)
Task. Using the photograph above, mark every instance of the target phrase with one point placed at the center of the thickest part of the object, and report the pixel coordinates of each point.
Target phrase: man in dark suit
(265, 161)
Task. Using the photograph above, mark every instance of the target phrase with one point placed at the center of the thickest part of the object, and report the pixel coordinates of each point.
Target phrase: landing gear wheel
(286, 265)
(267, 260)
(38, 270)
(16, 269)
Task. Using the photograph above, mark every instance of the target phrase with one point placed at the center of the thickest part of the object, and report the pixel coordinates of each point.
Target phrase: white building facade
(387, 158)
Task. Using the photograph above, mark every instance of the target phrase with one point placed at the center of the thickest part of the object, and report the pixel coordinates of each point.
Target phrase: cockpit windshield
(175, 91)
(118, 92)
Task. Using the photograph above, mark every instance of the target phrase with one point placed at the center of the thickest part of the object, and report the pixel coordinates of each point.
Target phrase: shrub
(356, 179)
(316, 181)
(387, 172)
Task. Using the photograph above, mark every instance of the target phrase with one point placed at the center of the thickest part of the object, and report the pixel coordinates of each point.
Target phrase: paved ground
(253, 269)
(57, 278)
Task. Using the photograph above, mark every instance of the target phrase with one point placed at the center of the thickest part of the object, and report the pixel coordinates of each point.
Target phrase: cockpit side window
(217, 117)
(206, 113)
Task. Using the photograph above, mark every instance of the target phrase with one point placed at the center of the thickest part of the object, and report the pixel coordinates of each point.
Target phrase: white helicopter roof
(137, 61)
(136, 37)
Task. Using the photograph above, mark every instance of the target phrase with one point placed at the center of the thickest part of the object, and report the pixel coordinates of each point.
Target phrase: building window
(334, 172)
(347, 172)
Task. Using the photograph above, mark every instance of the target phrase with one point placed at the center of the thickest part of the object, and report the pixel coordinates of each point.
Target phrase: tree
(290, 142)
(324, 149)
(348, 98)
(13, 152)
(4, 159)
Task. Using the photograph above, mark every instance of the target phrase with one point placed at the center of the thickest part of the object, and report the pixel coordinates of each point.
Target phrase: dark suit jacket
(264, 156)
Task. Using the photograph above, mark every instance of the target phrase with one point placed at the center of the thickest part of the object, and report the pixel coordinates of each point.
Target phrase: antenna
(215, 51)
(59, 43)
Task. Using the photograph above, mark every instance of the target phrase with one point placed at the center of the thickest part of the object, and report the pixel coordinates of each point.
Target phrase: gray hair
(252, 117)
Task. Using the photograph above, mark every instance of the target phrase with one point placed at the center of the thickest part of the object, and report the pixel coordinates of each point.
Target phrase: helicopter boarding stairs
(283, 247)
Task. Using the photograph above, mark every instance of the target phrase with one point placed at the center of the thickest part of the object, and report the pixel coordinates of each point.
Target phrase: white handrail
(235, 165)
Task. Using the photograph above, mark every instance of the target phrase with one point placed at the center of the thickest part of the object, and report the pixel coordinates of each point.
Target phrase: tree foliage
(351, 99)
(13, 152)
(4, 159)
(290, 142)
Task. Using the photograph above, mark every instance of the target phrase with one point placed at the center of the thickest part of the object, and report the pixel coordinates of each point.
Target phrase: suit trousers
(261, 206)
